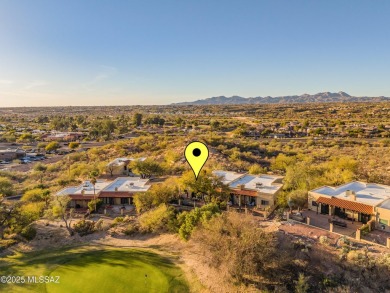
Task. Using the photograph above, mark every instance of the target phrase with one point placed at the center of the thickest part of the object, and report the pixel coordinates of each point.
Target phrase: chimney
(116, 188)
(241, 186)
(351, 195)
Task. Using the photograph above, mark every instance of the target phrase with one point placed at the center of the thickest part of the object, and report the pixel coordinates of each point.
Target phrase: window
(264, 202)
(314, 203)
(124, 201)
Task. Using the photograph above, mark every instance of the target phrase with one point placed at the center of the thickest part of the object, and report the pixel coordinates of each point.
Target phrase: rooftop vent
(259, 185)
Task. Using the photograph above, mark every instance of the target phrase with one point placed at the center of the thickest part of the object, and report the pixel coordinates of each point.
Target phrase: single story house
(64, 136)
(112, 192)
(252, 190)
(11, 154)
(354, 200)
(120, 166)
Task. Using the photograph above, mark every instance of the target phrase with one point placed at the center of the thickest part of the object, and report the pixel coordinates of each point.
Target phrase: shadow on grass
(89, 257)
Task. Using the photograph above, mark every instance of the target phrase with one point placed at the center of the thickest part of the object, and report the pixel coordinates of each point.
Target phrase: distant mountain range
(326, 97)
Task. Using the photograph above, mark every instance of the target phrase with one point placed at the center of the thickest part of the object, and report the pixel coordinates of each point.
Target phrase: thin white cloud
(6, 81)
(36, 83)
(105, 73)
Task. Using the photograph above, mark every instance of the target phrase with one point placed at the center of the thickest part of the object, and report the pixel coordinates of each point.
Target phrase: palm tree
(93, 174)
(93, 181)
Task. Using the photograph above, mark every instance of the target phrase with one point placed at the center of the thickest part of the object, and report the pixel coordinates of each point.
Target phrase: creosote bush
(158, 219)
(84, 227)
(28, 232)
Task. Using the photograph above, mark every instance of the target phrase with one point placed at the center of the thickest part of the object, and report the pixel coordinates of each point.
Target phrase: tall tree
(148, 168)
(207, 185)
(59, 210)
(137, 119)
(7, 213)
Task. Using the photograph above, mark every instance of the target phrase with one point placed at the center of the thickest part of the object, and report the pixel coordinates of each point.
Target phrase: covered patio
(344, 209)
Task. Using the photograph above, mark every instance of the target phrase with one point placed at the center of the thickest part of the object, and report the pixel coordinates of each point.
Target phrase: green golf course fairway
(89, 269)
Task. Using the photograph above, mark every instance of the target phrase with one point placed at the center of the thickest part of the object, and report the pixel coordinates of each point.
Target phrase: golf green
(89, 269)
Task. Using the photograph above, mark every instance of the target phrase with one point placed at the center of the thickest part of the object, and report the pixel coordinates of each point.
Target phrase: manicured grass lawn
(89, 269)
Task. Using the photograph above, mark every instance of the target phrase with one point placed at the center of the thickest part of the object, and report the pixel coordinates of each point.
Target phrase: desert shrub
(223, 206)
(118, 220)
(324, 240)
(301, 285)
(279, 214)
(354, 256)
(157, 219)
(233, 244)
(4, 243)
(385, 260)
(131, 229)
(99, 225)
(84, 227)
(6, 186)
(91, 204)
(28, 232)
(198, 215)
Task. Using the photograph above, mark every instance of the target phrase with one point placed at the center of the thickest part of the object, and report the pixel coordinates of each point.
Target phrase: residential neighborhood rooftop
(261, 183)
(86, 188)
(227, 176)
(385, 204)
(122, 161)
(125, 184)
(367, 193)
(130, 184)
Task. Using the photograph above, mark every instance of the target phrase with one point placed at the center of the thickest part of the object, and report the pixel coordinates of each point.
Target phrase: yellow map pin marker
(196, 154)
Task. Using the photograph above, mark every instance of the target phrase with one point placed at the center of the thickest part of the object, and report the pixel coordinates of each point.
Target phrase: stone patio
(321, 221)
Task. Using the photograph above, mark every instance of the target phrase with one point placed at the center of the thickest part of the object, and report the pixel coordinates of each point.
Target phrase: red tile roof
(80, 196)
(244, 192)
(113, 194)
(117, 194)
(346, 204)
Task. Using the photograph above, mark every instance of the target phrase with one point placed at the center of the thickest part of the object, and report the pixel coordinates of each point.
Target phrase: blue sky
(160, 52)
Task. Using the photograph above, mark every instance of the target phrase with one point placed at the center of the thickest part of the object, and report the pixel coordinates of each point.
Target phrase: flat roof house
(354, 200)
(64, 136)
(112, 192)
(11, 154)
(253, 190)
(120, 166)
